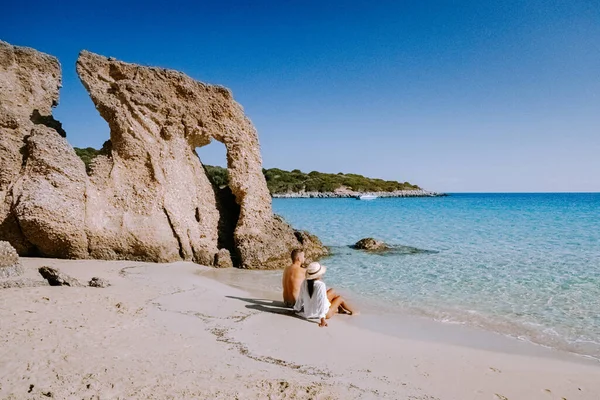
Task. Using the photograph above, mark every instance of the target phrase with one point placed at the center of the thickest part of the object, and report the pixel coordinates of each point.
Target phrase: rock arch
(148, 197)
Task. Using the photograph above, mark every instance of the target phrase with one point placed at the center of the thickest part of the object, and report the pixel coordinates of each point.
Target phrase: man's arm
(299, 304)
(298, 279)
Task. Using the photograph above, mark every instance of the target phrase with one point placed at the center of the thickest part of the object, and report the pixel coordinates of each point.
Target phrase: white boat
(367, 197)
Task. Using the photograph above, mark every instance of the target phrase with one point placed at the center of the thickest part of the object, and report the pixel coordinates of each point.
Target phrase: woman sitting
(315, 301)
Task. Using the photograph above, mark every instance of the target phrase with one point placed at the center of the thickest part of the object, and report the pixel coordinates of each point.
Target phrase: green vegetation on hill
(280, 181)
(87, 155)
(217, 175)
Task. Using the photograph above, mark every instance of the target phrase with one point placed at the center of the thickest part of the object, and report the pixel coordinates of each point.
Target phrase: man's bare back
(293, 276)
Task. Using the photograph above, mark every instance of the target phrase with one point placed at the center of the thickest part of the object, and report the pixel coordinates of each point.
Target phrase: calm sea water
(525, 265)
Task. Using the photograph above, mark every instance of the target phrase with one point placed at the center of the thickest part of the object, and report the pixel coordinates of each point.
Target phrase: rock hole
(213, 158)
(47, 120)
(89, 133)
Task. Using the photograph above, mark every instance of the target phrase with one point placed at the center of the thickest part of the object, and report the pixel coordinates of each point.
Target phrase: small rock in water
(57, 278)
(98, 282)
(371, 244)
(381, 248)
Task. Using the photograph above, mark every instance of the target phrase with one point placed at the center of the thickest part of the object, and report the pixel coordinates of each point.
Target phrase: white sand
(166, 331)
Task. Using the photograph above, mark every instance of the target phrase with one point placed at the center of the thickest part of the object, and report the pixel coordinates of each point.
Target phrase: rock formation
(148, 197)
(57, 278)
(371, 244)
(223, 259)
(98, 282)
(10, 266)
(29, 84)
(378, 247)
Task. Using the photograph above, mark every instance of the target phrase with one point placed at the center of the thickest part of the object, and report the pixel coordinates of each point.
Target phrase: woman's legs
(331, 294)
(335, 304)
(338, 302)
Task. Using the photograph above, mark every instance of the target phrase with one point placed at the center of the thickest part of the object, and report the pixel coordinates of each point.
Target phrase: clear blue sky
(453, 96)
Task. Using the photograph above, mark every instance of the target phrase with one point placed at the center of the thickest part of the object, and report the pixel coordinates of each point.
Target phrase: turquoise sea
(524, 265)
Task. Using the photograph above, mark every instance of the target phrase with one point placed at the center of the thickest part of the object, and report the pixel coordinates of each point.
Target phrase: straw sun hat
(315, 270)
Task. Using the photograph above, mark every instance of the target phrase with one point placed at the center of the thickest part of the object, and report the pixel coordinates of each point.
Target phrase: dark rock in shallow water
(378, 247)
(371, 244)
(57, 278)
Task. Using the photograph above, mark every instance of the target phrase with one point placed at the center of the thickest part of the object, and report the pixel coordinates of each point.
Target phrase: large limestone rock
(157, 118)
(29, 85)
(50, 204)
(147, 197)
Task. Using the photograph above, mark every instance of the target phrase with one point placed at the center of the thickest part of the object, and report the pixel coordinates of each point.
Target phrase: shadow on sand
(269, 306)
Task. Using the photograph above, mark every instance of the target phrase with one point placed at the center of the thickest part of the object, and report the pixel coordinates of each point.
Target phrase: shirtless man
(293, 276)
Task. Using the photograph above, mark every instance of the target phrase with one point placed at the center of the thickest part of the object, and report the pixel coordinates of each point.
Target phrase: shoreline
(173, 331)
(349, 194)
(402, 323)
(520, 267)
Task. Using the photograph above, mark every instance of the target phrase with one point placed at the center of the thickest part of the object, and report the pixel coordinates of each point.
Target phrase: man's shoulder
(288, 268)
(299, 271)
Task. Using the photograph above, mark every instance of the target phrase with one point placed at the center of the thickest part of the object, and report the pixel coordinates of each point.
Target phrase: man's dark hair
(296, 254)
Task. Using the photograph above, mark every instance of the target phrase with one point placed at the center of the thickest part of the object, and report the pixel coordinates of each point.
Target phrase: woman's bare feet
(343, 310)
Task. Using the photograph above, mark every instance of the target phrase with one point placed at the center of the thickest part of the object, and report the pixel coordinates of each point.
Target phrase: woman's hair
(310, 285)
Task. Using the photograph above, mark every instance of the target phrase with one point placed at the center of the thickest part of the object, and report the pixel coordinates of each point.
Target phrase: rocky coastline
(350, 194)
(147, 197)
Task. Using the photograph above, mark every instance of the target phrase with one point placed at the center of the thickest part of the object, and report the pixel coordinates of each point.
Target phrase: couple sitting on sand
(304, 290)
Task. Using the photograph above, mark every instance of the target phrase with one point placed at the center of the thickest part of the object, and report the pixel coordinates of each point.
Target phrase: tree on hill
(87, 154)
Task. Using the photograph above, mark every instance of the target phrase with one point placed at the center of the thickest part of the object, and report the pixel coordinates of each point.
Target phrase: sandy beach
(165, 331)
(160, 165)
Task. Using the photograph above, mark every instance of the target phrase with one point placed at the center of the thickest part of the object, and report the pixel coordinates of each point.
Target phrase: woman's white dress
(316, 306)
